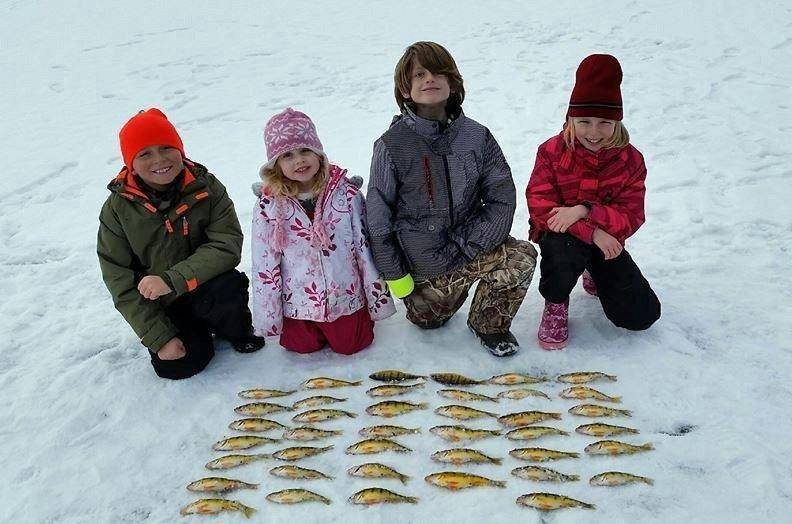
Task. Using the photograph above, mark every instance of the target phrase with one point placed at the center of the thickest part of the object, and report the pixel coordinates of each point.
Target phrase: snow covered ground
(90, 434)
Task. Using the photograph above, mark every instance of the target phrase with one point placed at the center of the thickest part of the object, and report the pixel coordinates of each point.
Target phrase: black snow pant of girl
(218, 306)
(626, 297)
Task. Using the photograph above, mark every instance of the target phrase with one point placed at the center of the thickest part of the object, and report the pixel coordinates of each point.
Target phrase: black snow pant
(626, 297)
(218, 306)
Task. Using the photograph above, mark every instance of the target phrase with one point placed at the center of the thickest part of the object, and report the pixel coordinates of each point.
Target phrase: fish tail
(325, 501)
(588, 506)
(416, 430)
(625, 412)
(556, 416)
(420, 385)
(574, 454)
(647, 480)
(411, 500)
(561, 432)
(616, 399)
(404, 479)
(631, 430)
(248, 511)
(648, 446)
(612, 378)
(499, 483)
(573, 478)
(423, 405)
(497, 461)
(496, 432)
(356, 383)
(351, 415)
(262, 456)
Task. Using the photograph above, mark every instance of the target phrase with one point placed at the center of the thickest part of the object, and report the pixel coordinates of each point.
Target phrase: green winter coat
(194, 240)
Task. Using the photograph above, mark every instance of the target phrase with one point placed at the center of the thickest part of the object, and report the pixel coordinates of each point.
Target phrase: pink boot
(553, 330)
(588, 284)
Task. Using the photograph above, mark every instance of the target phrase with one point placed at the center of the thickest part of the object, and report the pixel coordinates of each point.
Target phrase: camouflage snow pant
(504, 274)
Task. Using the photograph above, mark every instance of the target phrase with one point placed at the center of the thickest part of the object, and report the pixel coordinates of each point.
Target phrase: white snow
(90, 434)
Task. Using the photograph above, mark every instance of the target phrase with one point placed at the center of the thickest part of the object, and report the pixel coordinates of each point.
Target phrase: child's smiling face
(593, 132)
(427, 89)
(300, 165)
(158, 165)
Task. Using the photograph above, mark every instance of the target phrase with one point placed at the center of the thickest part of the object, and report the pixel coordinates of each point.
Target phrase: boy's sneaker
(588, 284)
(499, 344)
(554, 329)
(249, 344)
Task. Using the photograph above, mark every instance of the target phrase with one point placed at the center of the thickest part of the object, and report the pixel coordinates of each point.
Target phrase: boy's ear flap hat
(597, 91)
(287, 131)
(147, 128)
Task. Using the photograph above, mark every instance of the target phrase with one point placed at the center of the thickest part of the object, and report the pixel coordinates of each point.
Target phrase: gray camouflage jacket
(436, 199)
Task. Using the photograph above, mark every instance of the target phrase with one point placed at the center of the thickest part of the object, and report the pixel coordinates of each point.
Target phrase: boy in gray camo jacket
(440, 202)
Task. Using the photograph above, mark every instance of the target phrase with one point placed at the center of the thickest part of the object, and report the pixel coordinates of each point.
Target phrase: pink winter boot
(588, 284)
(553, 329)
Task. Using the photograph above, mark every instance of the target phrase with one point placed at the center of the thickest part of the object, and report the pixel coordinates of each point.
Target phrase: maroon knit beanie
(597, 91)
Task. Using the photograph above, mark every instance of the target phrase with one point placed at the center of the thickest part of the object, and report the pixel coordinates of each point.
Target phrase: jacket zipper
(448, 187)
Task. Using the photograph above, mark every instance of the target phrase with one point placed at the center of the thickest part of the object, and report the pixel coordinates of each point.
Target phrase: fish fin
(499, 483)
(497, 461)
(248, 511)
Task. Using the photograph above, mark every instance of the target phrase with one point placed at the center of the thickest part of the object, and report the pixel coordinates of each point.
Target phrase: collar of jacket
(429, 130)
(193, 190)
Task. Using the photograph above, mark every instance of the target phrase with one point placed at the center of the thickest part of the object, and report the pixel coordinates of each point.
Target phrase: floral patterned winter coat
(319, 270)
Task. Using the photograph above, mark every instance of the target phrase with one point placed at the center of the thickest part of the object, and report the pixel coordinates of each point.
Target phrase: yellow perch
(617, 478)
(593, 410)
(391, 390)
(393, 408)
(373, 470)
(325, 382)
(525, 418)
(534, 432)
(256, 409)
(308, 433)
(614, 447)
(584, 392)
(258, 425)
(299, 452)
(385, 431)
(232, 461)
(375, 445)
(463, 412)
(319, 415)
(379, 496)
(462, 395)
(550, 502)
(510, 379)
(539, 474)
(453, 379)
(455, 480)
(260, 394)
(239, 443)
(394, 375)
(319, 400)
(583, 377)
(214, 506)
(603, 430)
(296, 496)
(458, 456)
(518, 394)
(298, 473)
(459, 433)
(218, 485)
(541, 454)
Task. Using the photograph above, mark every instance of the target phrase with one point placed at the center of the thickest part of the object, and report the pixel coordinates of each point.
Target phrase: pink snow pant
(346, 335)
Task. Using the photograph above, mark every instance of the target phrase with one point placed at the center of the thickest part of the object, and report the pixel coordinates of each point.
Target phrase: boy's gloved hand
(401, 287)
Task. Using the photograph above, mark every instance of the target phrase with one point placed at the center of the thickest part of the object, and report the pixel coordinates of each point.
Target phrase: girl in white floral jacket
(314, 281)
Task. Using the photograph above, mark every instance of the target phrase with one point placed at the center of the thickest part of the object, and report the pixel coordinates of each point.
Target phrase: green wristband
(401, 287)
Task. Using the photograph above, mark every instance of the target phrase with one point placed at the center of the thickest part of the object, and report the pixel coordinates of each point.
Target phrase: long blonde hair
(620, 137)
(279, 185)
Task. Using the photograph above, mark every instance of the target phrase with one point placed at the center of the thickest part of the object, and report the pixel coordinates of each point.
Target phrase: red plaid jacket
(611, 181)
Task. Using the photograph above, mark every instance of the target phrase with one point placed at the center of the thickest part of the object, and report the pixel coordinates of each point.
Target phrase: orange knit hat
(147, 128)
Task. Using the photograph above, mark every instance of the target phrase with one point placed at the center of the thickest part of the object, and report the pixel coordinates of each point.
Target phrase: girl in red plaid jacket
(585, 198)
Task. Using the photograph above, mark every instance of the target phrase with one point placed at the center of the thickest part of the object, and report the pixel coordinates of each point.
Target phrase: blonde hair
(620, 137)
(438, 61)
(279, 185)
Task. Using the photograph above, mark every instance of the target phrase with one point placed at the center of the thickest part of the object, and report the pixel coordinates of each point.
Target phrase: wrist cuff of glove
(401, 287)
